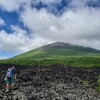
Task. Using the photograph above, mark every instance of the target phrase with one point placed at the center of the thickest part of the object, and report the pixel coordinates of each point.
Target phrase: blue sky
(28, 24)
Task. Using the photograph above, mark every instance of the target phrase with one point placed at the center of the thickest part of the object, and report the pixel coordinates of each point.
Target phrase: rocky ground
(55, 82)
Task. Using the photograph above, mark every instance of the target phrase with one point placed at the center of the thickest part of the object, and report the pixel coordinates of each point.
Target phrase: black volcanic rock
(55, 82)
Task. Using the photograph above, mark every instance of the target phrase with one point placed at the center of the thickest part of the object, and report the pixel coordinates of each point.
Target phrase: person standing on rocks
(10, 77)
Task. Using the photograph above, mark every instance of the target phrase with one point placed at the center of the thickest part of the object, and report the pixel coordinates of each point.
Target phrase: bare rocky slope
(56, 82)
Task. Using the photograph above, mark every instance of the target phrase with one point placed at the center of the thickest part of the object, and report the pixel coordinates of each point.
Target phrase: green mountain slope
(58, 49)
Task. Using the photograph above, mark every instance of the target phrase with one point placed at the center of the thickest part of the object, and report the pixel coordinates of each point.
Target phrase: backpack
(9, 74)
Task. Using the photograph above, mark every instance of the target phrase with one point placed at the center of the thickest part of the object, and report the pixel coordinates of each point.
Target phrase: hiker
(10, 77)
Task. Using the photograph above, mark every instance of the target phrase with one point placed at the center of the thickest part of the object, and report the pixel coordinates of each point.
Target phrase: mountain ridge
(65, 45)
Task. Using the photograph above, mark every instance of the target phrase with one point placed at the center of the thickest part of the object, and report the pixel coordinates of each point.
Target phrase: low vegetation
(98, 84)
(84, 62)
(86, 83)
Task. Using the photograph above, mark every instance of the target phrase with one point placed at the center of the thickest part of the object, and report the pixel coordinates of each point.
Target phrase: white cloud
(82, 3)
(72, 26)
(78, 3)
(18, 42)
(50, 1)
(13, 5)
(2, 22)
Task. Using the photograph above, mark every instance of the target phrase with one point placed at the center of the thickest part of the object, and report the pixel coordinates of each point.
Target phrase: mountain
(57, 53)
(58, 49)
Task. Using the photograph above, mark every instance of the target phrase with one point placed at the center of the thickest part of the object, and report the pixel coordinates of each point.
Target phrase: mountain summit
(58, 45)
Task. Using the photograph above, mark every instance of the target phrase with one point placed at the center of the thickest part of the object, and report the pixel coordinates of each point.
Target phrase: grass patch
(73, 61)
(85, 83)
(98, 84)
